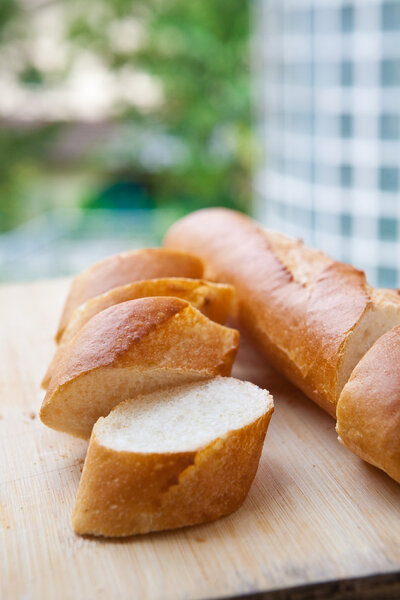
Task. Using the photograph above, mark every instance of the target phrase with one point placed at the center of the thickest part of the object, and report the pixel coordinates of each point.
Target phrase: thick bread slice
(131, 348)
(312, 317)
(127, 267)
(368, 411)
(172, 458)
(212, 299)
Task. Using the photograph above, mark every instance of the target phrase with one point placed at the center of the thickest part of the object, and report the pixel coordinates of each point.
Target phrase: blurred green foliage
(22, 160)
(198, 51)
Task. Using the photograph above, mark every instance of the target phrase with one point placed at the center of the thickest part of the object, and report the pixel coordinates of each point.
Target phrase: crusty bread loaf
(130, 348)
(313, 317)
(213, 300)
(368, 411)
(127, 267)
(172, 458)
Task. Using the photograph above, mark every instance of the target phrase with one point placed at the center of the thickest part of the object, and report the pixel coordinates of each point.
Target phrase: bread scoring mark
(110, 333)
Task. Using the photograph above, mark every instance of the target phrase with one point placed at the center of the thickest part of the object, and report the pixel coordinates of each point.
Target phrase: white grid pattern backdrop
(328, 95)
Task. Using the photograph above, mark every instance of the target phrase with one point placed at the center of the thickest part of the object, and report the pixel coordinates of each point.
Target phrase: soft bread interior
(92, 395)
(183, 419)
(172, 458)
(383, 315)
(131, 348)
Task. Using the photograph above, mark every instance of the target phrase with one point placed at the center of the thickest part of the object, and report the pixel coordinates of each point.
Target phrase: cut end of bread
(380, 316)
(133, 348)
(212, 299)
(182, 419)
(368, 411)
(172, 458)
(77, 405)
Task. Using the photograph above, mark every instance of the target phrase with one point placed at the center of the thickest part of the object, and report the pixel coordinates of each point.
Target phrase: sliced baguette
(312, 317)
(213, 300)
(172, 458)
(127, 267)
(130, 348)
(368, 411)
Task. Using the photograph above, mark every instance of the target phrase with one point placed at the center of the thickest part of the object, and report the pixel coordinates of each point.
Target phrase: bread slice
(311, 316)
(127, 267)
(368, 411)
(212, 299)
(172, 458)
(131, 348)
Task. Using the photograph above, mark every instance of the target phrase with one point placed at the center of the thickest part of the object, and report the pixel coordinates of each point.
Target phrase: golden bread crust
(368, 411)
(124, 268)
(126, 493)
(213, 300)
(110, 334)
(145, 336)
(301, 322)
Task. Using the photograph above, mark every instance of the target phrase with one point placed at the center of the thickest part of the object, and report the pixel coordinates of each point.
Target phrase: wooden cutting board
(315, 515)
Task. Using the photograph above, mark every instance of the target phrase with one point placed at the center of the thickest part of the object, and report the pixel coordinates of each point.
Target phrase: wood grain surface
(316, 514)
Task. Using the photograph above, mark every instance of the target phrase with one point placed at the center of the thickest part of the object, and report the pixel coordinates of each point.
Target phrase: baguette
(130, 348)
(368, 411)
(127, 267)
(213, 300)
(311, 316)
(173, 458)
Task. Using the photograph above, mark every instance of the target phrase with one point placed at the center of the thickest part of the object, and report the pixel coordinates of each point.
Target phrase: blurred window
(327, 221)
(281, 210)
(347, 17)
(299, 21)
(390, 127)
(387, 228)
(390, 72)
(326, 125)
(341, 142)
(347, 73)
(390, 16)
(279, 118)
(277, 162)
(300, 215)
(346, 125)
(326, 73)
(299, 73)
(301, 122)
(326, 19)
(389, 179)
(300, 169)
(346, 224)
(346, 175)
(387, 277)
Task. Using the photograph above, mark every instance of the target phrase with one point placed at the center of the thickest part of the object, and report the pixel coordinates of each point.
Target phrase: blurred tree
(22, 148)
(199, 52)
(8, 10)
(21, 151)
(193, 146)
